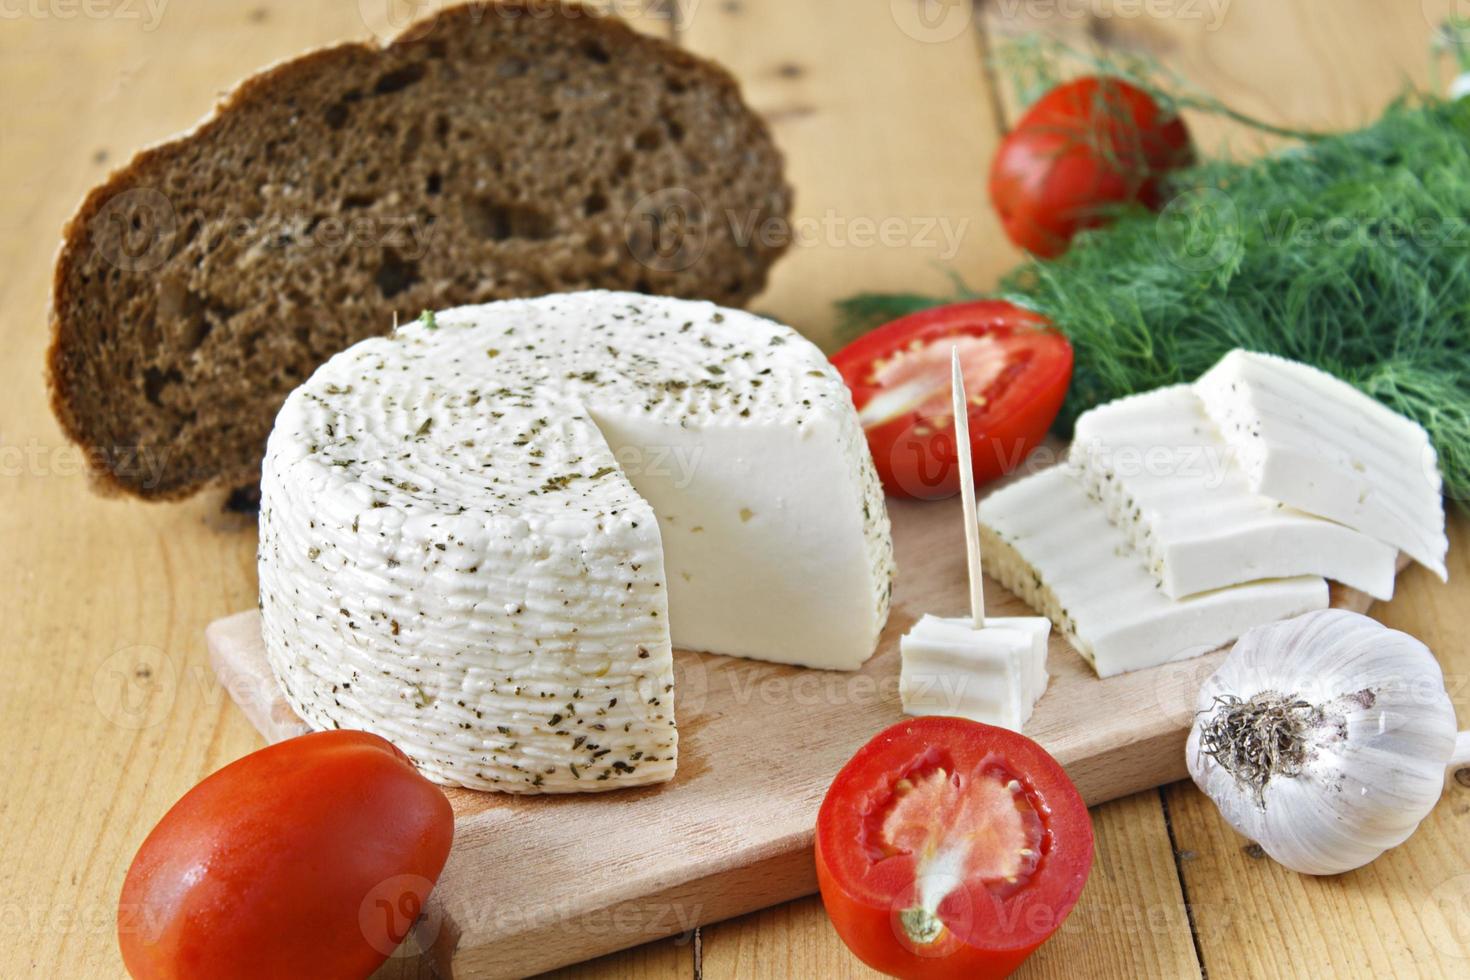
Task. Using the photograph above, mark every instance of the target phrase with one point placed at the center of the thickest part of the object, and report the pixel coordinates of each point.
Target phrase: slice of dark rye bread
(491, 151)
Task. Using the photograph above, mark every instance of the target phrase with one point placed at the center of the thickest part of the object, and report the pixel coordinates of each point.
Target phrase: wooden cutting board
(538, 882)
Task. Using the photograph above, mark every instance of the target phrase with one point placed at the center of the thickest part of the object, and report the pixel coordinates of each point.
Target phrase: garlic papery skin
(1324, 739)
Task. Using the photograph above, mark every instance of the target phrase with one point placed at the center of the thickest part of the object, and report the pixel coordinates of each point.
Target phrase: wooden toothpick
(967, 492)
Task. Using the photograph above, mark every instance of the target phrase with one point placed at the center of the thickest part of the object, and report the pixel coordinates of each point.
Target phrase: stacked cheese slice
(1186, 515)
(1170, 481)
(480, 537)
(1310, 441)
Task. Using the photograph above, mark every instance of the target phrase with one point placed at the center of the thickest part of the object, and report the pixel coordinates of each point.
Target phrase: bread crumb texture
(491, 151)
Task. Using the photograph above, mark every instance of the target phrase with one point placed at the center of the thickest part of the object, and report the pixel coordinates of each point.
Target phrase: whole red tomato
(1079, 152)
(309, 858)
(1016, 369)
(949, 850)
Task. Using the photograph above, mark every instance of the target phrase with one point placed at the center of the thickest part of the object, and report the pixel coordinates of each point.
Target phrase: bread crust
(102, 461)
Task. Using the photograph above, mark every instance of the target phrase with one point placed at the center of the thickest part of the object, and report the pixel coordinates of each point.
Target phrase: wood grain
(758, 745)
(1292, 63)
(1130, 921)
(1410, 909)
(1409, 912)
(110, 709)
(887, 128)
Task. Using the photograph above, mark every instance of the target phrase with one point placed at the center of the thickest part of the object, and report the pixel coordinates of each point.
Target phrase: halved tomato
(1017, 368)
(950, 849)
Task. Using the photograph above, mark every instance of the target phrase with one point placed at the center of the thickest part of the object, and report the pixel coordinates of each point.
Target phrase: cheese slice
(993, 675)
(1320, 445)
(481, 537)
(1052, 544)
(1169, 480)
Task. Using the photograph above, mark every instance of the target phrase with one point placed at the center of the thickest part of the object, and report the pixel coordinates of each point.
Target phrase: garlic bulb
(1324, 739)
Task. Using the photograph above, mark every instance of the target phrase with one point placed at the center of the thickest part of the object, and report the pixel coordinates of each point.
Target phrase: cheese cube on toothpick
(994, 674)
(992, 669)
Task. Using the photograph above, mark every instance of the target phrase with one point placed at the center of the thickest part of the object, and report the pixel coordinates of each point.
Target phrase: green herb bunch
(1349, 251)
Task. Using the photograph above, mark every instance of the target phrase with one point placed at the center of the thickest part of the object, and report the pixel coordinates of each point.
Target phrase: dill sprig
(1034, 64)
(1452, 37)
(1350, 252)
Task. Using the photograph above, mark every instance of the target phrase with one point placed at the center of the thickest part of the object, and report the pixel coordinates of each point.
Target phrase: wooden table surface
(888, 115)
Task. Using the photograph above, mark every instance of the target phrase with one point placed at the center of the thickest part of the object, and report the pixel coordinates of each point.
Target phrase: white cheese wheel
(480, 537)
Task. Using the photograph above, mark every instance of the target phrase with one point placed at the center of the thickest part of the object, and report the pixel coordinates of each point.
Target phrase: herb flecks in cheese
(1053, 545)
(1316, 443)
(1171, 482)
(463, 553)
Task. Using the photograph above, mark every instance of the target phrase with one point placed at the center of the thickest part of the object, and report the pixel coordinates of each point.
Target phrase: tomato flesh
(947, 848)
(1016, 370)
(916, 379)
(982, 828)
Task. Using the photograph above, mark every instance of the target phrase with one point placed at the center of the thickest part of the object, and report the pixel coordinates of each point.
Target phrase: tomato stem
(920, 925)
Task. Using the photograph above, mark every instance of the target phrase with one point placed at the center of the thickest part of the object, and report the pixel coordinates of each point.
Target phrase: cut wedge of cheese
(1052, 544)
(480, 537)
(1169, 480)
(1320, 445)
(993, 675)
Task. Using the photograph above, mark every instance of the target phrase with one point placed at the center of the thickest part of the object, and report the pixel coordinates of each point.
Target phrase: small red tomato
(949, 850)
(1016, 367)
(1079, 152)
(309, 858)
